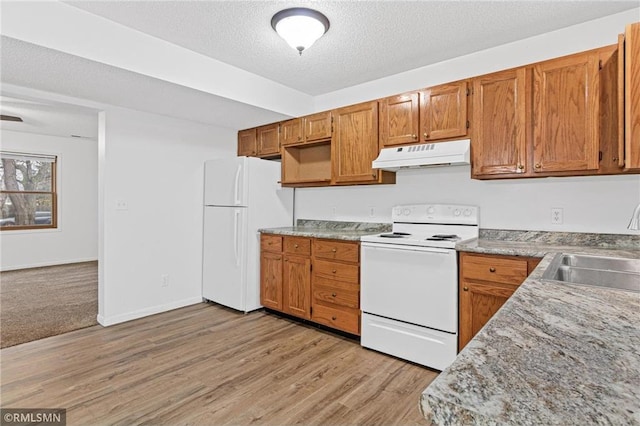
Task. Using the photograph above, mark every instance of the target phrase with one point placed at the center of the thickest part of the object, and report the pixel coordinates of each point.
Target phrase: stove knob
(467, 212)
(430, 210)
(456, 212)
(406, 212)
(398, 211)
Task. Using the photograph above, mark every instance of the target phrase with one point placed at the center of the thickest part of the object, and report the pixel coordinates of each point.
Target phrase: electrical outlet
(122, 205)
(556, 216)
(372, 211)
(164, 280)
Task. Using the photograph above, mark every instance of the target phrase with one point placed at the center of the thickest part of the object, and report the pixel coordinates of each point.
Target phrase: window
(27, 191)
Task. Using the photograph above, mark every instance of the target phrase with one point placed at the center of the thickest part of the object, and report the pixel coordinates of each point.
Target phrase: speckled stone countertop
(554, 354)
(351, 231)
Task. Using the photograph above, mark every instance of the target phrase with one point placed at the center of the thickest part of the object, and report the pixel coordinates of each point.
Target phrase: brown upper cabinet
(269, 140)
(436, 113)
(355, 145)
(566, 113)
(247, 143)
(631, 44)
(443, 111)
(291, 131)
(499, 115)
(317, 126)
(553, 118)
(399, 119)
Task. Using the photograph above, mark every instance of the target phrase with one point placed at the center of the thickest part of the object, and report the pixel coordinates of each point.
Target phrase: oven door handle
(407, 248)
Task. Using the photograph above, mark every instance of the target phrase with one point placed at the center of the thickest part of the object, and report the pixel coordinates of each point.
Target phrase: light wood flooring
(207, 365)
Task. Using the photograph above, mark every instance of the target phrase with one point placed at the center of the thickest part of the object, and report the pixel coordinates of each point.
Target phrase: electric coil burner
(409, 283)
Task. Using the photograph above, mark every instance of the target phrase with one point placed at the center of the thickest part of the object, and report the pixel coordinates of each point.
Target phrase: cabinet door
(632, 97)
(443, 111)
(247, 143)
(317, 126)
(499, 117)
(355, 143)
(271, 280)
(297, 286)
(269, 140)
(478, 303)
(399, 119)
(291, 131)
(565, 114)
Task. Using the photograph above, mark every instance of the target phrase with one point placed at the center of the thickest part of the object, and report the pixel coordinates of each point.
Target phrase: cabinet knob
(334, 250)
(615, 158)
(299, 137)
(333, 295)
(334, 271)
(295, 246)
(492, 269)
(465, 288)
(414, 136)
(334, 318)
(520, 167)
(426, 135)
(538, 165)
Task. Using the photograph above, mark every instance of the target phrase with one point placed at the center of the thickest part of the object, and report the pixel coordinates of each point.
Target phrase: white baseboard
(117, 319)
(52, 263)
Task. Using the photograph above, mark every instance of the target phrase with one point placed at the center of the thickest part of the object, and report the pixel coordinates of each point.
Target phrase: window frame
(53, 193)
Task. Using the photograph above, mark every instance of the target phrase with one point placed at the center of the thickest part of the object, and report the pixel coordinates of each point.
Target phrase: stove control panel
(436, 213)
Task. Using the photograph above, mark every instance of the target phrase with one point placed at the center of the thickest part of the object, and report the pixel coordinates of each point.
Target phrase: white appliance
(449, 153)
(241, 195)
(409, 283)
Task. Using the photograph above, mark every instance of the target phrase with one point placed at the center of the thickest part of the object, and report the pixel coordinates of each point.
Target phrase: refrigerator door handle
(236, 236)
(237, 184)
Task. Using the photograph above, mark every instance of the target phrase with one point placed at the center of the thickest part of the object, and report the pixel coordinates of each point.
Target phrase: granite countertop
(555, 353)
(349, 231)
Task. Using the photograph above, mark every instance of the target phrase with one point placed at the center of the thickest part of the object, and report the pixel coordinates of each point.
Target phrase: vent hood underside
(450, 153)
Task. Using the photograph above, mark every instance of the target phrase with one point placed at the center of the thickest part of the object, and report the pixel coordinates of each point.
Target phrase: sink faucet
(635, 219)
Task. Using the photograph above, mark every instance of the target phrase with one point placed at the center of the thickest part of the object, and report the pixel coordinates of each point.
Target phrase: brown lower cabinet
(486, 282)
(316, 279)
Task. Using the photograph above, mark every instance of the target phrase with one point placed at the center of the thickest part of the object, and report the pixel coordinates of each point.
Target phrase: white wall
(577, 38)
(76, 238)
(154, 164)
(591, 204)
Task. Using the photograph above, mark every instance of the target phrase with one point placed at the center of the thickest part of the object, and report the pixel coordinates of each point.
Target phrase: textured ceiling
(367, 39)
(23, 65)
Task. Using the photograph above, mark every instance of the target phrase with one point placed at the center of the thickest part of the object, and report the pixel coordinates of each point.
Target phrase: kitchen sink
(610, 272)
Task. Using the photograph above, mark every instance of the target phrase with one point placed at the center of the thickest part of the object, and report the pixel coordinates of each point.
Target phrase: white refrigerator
(241, 195)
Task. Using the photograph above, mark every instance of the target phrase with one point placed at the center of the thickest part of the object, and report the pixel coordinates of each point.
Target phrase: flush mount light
(300, 27)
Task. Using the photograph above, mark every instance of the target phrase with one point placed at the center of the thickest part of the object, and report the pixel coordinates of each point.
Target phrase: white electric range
(409, 283)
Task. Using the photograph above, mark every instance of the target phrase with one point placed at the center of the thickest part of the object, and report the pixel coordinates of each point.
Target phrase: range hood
(451, 153)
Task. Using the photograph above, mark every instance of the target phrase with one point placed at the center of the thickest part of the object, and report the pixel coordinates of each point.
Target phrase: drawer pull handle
(333, 295)
(466, 289)
(334, 318)
(492, 269)
(334, 250)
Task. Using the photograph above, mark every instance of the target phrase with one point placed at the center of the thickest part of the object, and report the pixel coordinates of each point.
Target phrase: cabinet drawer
(341, 318)
(337, 271)
(494, 269)
(333, 292)
(297, 245)
(271, 243)
(335, 250)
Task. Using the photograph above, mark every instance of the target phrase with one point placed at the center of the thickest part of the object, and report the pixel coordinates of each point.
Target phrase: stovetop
(430, 225)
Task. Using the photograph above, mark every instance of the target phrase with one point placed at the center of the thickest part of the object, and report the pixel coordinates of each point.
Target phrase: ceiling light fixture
(300, 27)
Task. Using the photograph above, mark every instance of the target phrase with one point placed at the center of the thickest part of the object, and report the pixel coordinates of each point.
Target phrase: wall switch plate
(122, 205)
(556, 216)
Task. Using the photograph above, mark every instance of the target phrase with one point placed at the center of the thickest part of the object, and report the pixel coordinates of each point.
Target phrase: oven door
(417, 285)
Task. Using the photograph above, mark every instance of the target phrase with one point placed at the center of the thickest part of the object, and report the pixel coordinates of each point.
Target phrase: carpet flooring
(40, 302)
